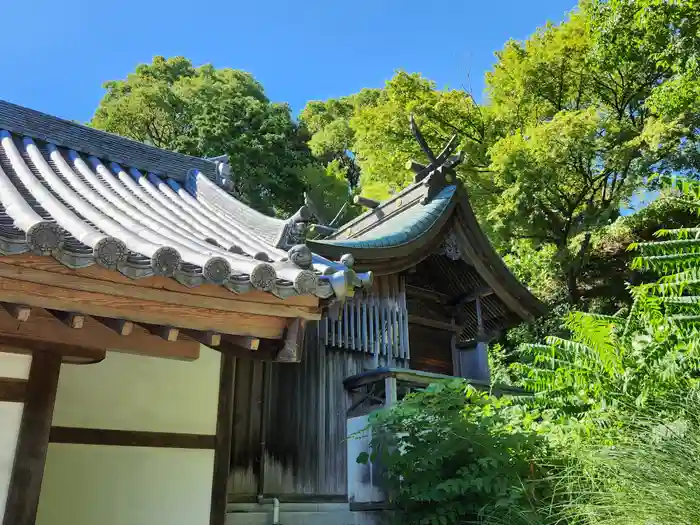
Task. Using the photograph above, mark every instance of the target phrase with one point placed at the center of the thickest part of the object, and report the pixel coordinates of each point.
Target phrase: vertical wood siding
(304, 451)
(374, 322)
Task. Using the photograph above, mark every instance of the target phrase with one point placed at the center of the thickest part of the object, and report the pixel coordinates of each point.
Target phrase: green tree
(578, 118)
(204, 111)
(332, 139)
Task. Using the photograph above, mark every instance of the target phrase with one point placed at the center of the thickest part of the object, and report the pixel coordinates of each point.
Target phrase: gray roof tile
(88, 197)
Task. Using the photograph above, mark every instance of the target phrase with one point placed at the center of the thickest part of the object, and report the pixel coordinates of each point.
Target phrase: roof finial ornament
(440, 170)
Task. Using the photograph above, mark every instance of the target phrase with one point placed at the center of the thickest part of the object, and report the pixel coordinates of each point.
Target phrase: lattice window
(374, 322)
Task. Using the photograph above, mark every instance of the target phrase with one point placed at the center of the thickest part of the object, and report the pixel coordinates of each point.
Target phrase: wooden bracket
(293, 342)
(17, 311)
(121, 326)
(70, 319)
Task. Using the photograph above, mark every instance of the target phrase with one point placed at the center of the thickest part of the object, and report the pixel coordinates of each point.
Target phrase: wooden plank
(140, 310)
(206, 290)
(43, 332)
(12, 389)
(130, 438)
(433, 323)
(161, 289)
(428, 295)
(223, 442)
(17, 311)
(32, 443)
(69, 355)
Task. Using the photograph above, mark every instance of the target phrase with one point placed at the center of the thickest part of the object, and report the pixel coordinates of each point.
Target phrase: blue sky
(55, 56)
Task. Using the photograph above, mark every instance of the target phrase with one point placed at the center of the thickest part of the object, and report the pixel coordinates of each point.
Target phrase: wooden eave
(83, 312)
(458, 217)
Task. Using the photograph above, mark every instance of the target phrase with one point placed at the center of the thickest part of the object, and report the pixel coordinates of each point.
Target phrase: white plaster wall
(88, 484)
(14, 366)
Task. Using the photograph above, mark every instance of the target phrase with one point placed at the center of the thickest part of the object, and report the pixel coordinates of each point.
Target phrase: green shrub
(454, 455)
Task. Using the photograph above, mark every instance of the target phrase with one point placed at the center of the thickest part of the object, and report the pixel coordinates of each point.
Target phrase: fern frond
(677, 233)
(684, 300)
(670, 262)
(667, 247)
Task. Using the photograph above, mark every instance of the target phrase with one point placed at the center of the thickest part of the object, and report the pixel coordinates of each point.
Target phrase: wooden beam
(223, 440)
(70, 355)
(130, 438)
(463, 299)
(43, 332)
(44, 270)
(169, 333)
(208, 338)
(425, 294)
(268, 350)
(33, 440)
(12, 390)
(433, 323)
(17, 311)
(120, 326)
(140, 310)
(359, 200)
(70, 319)
(249, 343)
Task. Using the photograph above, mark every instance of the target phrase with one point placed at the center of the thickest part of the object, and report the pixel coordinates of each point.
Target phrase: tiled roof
(69, 199)
(107, 146)
(415, 219)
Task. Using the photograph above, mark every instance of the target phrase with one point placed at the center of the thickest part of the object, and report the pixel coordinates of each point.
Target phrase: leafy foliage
(205, 111)
(582, 448)
(455, 455)
(580, 116)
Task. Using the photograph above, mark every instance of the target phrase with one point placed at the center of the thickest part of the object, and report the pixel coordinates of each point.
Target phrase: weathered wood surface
(45, 270)
(33, 441)
(20, 312)
(44, 332)
(140, 310)
(223, 441)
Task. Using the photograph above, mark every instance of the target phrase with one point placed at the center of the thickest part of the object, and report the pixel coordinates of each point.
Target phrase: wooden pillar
(33, 441)
(224, 436)
(390, 392)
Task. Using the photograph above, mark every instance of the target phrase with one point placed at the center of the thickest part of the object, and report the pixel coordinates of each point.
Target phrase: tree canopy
(204, 111)
(578, 118)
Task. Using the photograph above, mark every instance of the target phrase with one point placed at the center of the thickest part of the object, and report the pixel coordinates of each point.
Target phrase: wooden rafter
(44, 332)
(19, 312)
(140, 310)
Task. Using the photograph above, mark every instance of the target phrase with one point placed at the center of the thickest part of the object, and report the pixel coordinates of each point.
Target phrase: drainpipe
(262, 500)
(275, 507)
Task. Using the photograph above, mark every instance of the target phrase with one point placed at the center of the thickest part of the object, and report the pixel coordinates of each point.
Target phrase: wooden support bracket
(169, 333)
(70, 319)
(17, 311)
(211, 339)
(293, 342)
(121, 326)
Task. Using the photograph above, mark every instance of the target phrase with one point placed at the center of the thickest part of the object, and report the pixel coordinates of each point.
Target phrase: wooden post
(224, 436)
(33, 441)
(390, 392)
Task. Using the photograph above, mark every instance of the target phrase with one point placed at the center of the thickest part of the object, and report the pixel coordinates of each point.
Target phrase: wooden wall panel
(304, 455)
(431, 349)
